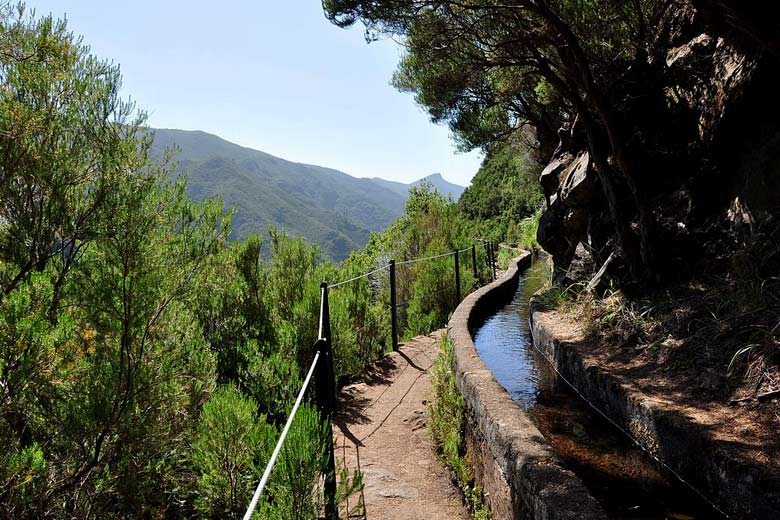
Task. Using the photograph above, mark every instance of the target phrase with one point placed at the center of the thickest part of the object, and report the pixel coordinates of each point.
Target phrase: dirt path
(380, 429)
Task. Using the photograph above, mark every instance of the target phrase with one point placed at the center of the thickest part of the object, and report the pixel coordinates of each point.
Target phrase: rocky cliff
(700, 114)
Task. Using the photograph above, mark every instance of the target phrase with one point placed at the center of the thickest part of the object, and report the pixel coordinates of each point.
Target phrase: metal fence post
(326, 399)
(474, 262)
(495, 260)
(393, 309)
(457, 277)
(487, 252)
(490, 257)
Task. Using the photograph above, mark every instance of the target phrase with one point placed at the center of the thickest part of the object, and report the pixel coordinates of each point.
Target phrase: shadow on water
(626, 481)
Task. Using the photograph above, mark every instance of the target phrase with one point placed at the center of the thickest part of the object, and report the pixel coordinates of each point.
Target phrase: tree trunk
(608, 186)
(629, 169)
(573, 55)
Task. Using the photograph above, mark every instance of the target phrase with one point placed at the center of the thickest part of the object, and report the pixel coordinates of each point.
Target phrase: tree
(131, 405)
(233, 309)
(488, 68)
(102, 363)
(66, 137)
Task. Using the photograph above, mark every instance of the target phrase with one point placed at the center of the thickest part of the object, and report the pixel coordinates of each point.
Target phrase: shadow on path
(380, 431)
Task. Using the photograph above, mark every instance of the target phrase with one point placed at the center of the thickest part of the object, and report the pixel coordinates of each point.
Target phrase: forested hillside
(504, 195)
(326, 207)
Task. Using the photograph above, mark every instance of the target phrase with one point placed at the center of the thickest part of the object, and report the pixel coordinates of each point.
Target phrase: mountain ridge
(438, 181)
(326, 206)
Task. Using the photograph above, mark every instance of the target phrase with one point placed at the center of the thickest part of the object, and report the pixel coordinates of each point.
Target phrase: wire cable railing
(434, 257)
(407, 262)
(358, 277)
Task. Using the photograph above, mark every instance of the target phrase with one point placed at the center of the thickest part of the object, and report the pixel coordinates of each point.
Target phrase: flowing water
(626, 482)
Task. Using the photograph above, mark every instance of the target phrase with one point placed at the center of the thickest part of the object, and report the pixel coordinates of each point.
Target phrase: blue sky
(273, 75)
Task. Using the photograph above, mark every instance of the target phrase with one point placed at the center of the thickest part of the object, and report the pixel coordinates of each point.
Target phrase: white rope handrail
(267, 473)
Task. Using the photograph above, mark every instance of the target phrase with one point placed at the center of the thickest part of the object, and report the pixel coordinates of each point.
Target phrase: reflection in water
(504, 343)
(619, 475)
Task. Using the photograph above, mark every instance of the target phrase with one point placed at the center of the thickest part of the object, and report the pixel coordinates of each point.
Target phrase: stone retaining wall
(517, 469)
(739, 487)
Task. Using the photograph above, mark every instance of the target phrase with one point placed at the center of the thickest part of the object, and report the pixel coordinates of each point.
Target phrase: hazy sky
(273, 75)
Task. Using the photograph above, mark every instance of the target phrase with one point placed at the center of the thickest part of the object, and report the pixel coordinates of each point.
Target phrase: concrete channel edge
(736, 486)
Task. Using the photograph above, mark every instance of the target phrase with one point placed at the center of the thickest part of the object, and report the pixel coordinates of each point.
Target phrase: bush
(447, 424)
(291, 492)
(230, 450)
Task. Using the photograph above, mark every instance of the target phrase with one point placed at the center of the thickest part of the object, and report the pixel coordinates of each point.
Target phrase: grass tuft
(447, 422)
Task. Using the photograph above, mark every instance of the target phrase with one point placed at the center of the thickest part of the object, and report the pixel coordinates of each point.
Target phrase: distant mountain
(440, 183)
(325, 206)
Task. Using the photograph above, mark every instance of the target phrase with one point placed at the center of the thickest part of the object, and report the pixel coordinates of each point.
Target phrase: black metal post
(490, 256)
(326, 399)
(393, 309)
(487, 252)
(495, 260)
(457, 277)
(474, 262)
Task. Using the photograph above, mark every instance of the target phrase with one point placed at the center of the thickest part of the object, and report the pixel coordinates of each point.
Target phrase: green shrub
(273, 382)
(230, 450)
(292, 492)
(524, 234)
(447, 423)
(433, 297)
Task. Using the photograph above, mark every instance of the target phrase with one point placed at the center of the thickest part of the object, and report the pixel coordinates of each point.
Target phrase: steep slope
(325, 206)
(440, 183)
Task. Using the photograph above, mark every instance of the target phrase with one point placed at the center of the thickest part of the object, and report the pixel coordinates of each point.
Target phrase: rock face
(578, 182)
(569, 184)
(702, 125)
(550, 177)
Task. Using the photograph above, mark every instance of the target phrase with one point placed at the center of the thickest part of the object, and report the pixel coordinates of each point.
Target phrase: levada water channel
(624, 479)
